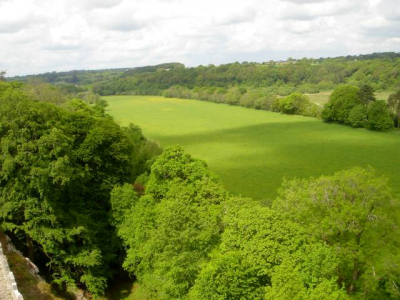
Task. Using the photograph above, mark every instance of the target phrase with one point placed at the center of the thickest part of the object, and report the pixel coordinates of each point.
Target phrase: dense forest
(380, 70)
(305, 75)
(90, 200)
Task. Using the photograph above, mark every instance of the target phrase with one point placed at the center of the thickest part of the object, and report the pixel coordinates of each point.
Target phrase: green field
(323, 97)
(253, 150)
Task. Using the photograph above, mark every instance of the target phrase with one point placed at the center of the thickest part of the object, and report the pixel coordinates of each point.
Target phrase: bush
(358, 116)
(233, 96)
(379, 116)
(341, 102)
(266, 103)
(294, 104)
(249, 98)
(313, 110)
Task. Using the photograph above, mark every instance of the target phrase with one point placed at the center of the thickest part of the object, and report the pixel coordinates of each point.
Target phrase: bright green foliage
(175, 166)
(294, 104)
(341, 102)
(256, 245)
(229, 276)
(353, 213)
(58, 167)
(288, 283)
(260, 234)
(358, 116)
(379, 116)
(123, 198)
(173, 227)
(9, 87)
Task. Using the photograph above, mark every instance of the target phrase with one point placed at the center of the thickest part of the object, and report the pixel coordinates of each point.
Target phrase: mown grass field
(252, 151)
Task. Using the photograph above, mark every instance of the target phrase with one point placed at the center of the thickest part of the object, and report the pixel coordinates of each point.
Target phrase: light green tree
(256, 245)
(379, 116)
(294, 104)
(341, 102)
(170, 230)
(354, 213)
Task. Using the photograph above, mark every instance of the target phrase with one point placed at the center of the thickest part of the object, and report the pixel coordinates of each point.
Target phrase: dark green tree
(2, 75)
(57, 168)
(341, 102)
(379, 116)
(394, 105)
(366, 94)
(358, 116)
(294, 104)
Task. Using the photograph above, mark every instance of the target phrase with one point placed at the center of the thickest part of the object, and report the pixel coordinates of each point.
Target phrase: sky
(38, 36)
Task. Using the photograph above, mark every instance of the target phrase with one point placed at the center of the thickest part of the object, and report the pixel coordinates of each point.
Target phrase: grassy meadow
(252, 151)
(323, 97)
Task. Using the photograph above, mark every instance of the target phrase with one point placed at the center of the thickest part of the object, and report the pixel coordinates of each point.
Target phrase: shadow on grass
(252, 160)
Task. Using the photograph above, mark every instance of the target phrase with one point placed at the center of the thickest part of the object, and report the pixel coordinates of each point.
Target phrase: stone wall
(8, 277)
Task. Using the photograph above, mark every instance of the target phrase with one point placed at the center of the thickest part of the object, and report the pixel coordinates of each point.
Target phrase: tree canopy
(355, 215)
(57, 168)
(358, 108)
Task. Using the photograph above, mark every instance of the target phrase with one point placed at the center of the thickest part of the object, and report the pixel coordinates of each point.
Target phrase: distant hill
(380, 70)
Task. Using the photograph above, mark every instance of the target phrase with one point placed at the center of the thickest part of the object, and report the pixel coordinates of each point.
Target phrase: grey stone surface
(4, 291)
(8, 286)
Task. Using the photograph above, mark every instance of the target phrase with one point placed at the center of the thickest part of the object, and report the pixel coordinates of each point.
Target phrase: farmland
(323, 97)
(252, 151)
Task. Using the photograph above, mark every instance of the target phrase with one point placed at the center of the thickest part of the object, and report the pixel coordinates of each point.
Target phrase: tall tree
(341, 102)
(379, 116)
(394, 105)
(366, 94)
(2, 75)
(170, 230)
(354, 213)
(57, 168)
(258, 247)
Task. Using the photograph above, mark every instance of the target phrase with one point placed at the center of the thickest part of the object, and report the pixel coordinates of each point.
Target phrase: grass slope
(253, 150)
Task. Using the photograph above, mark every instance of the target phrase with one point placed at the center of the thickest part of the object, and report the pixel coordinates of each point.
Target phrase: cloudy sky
(41, 36)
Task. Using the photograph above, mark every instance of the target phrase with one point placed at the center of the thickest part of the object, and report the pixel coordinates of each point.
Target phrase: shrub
(294, 104)
(358, 116)
(341, 102)
(379, 116)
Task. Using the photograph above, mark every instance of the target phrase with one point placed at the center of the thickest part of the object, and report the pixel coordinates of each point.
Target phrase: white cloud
(39, 35)
(304, 1)
(313, 10)
(390, 9)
